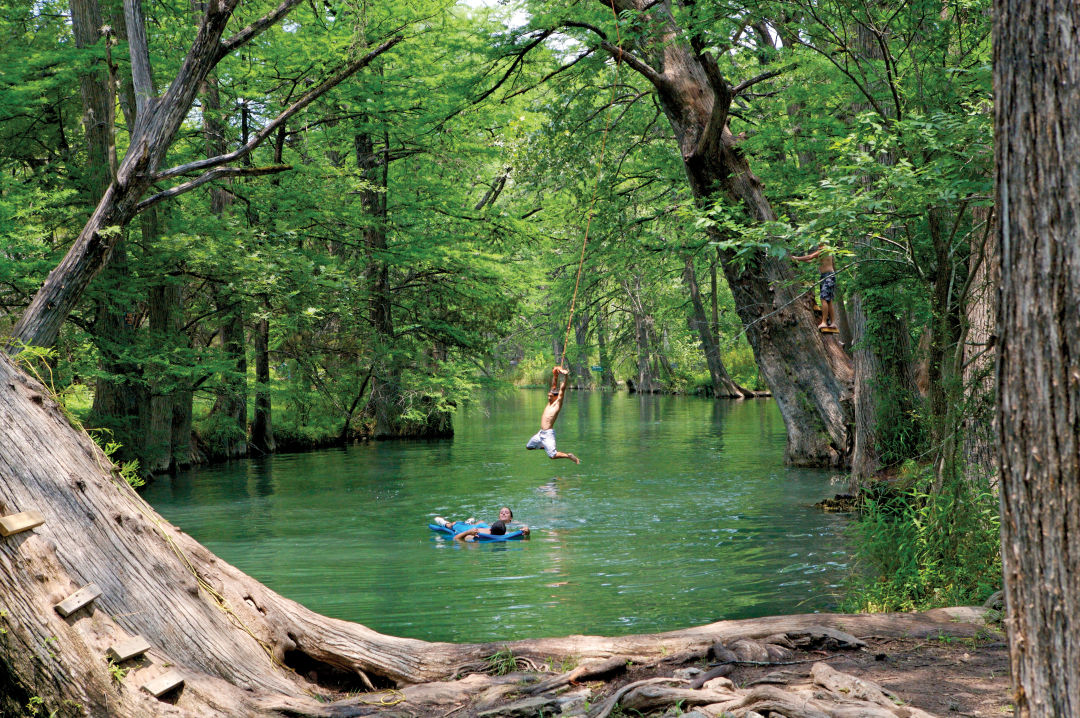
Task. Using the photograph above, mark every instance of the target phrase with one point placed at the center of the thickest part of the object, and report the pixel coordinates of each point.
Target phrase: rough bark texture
(808, 376)
(1037, 133)
(980, 444)
(233, 640)
(865, 459)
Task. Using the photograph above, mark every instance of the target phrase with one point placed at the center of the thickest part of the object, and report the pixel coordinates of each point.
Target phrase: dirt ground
(944, 663)
(945, 677)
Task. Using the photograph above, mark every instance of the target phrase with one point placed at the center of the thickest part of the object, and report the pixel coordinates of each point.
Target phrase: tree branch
(635, 63)
(255, 28)
(209, 177)
(306, 99)
(759, 78)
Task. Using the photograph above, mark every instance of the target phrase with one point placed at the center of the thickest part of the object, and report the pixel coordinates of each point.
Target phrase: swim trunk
(543, 439)
(828, 286)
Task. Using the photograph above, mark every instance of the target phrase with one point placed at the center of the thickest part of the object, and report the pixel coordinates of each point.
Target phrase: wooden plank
(15, 523)
(127, 649)
(77, 600)
(163, 684)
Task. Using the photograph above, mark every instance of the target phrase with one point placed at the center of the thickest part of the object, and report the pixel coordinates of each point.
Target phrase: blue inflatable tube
(460, 526)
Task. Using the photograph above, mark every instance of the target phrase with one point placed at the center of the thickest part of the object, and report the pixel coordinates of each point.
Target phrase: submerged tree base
(239, 648)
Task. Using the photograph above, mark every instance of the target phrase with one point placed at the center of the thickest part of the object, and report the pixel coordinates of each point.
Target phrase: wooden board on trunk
(127, 649)
(77, 600)
(164, 683)
(15, 523)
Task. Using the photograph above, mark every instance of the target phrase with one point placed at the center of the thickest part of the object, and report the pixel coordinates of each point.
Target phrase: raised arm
(807, 257)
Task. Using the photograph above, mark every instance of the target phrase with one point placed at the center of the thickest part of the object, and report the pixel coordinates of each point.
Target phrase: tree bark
(809, 377)
(722, 384)
(980, 444)
(1036, 133)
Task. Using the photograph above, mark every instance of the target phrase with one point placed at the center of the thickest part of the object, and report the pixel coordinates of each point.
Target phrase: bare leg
(565, 455)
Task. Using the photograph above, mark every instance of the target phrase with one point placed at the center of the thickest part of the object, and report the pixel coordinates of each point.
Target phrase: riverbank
(940, 663)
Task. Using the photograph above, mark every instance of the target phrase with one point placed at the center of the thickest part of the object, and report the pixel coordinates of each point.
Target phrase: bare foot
(573, 458)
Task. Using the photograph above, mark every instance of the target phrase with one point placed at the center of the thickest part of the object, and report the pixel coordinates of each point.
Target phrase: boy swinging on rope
(827, 282)
(545, 438)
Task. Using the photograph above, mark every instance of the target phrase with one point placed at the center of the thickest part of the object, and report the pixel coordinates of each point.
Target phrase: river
(682, 512)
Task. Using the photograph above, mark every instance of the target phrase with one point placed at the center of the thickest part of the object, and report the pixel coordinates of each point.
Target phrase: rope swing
(596, 183)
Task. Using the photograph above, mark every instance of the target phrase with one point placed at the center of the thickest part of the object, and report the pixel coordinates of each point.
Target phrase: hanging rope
(596, 183)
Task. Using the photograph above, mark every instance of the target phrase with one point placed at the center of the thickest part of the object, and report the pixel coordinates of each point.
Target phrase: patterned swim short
(828, 286)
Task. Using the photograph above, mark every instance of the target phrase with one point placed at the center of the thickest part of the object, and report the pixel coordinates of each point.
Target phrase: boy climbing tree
(545, 438)
(827, 284)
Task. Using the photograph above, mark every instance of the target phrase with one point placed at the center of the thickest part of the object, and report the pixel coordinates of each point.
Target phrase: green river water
(681, 513)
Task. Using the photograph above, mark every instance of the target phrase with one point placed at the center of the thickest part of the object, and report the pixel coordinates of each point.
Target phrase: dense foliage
(426, 235)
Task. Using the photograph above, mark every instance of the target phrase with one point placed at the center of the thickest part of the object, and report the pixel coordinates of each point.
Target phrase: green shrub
(921, 548)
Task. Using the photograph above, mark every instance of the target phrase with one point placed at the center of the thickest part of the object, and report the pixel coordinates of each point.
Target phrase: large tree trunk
(808, 376)
(1037, 133)
(722, 384)
(865, 459)
(387, 403)
(241, 649)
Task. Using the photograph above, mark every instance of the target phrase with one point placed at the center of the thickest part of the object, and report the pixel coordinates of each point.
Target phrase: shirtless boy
(545, 438)
(827, 282)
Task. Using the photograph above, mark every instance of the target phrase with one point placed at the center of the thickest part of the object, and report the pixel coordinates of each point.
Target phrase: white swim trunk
(543, 439)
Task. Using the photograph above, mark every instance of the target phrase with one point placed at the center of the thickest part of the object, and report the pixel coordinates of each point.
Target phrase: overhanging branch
(306, 99)
(210, 176)
(255, 28)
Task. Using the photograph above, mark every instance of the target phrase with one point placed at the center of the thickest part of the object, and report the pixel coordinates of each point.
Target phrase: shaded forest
(233, 229)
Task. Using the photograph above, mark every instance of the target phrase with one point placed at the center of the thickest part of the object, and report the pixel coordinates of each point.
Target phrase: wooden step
(127, 649)
(15, 523)
(164, 683)
(77, 600)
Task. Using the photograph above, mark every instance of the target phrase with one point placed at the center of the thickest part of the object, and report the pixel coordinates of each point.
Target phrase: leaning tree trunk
(808, 376)
(1037, 133)
(158, 120)
(722, 383)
